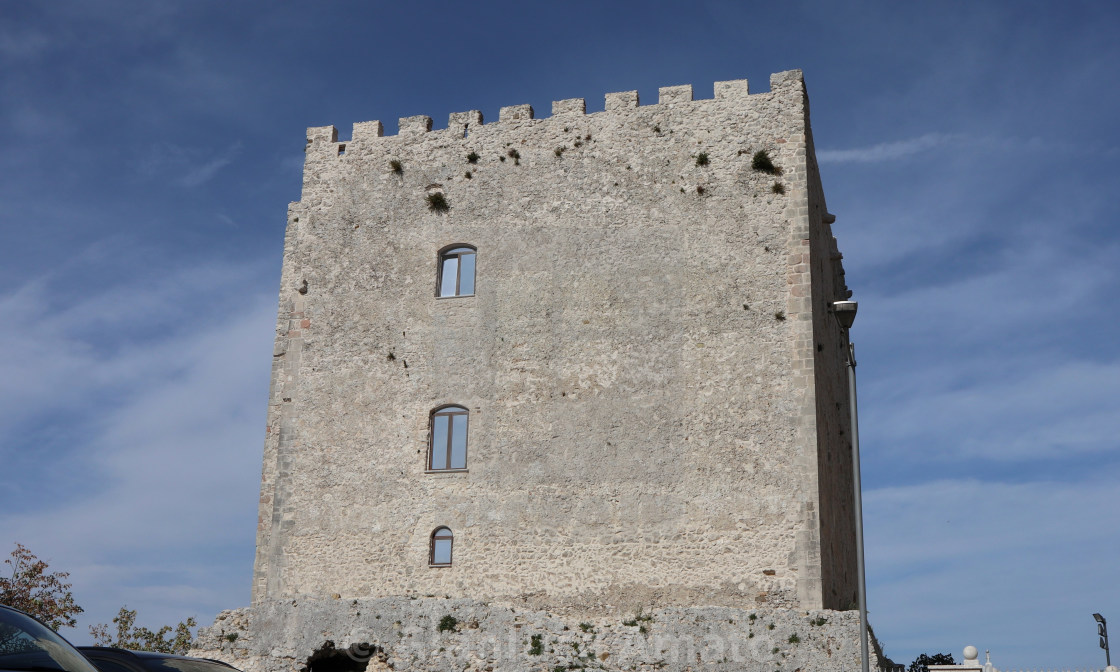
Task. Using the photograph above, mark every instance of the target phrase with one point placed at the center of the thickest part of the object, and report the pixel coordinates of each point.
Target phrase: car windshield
(27, 644)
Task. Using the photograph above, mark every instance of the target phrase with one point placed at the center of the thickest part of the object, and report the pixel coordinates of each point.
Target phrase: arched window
(439, 550)
(456, 271)
(448, 448)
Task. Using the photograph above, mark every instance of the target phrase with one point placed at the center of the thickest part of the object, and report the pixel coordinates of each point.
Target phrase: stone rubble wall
(403, 634)
(638, 360)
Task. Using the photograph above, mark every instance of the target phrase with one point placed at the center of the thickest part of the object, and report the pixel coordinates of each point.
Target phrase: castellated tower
(581, 365)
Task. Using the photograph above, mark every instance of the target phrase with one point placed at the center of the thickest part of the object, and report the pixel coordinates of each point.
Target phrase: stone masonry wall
(828, 350)
(638, 361)
(405, 634)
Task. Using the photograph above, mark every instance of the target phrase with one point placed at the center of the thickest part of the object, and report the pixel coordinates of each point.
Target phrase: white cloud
(887, 151)
(167, 438)
(1050, 410)
(981, 365)
(186, 167)
(202, 173)
(67, 350)
(956, 562)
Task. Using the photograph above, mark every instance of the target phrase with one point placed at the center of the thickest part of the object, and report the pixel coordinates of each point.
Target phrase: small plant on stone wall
(762, 163)
(516, 156)
(820, 620)
(559, 151)
(752, 617)
(437, 203)
(231, 637)
(586, 627)
(396, 166)
(778, 188)
(536, 647)
(639, 621)
(468, 175)
(794, 639)
(781, 317)
(702, 159)
(448, 622)
(771, 626)
(657, 129)
(472, 157)
(700, 189)
(775, 650)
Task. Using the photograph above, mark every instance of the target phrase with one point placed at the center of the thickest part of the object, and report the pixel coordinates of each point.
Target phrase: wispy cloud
(1048, 410)
(887, 151)
(16, 45)
(186, 167)
(999, 369)
(163, 427)
(932, 547)
(202, 173)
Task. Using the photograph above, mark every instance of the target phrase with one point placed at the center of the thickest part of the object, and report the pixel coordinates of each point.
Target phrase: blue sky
(970, 151)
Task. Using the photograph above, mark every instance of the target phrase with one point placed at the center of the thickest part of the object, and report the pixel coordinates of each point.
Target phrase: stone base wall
(440, 635)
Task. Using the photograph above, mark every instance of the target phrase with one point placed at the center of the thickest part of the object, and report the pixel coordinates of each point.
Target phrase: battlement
(324, 139)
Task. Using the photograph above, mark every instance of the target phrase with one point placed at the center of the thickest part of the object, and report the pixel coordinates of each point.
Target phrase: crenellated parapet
(323, 140)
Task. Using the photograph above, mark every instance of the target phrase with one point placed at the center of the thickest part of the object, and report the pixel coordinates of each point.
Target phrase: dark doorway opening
(354, 658)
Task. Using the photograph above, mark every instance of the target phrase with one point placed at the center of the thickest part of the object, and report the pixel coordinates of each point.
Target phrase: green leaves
(30, 588)
(142, 639)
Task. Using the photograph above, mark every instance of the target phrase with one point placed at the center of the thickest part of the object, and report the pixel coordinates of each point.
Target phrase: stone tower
(582, 364)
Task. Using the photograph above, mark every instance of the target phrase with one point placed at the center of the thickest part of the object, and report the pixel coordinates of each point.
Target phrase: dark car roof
(124, 653)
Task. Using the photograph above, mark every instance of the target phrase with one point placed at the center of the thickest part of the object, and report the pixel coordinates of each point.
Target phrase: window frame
(450, 537)
(448, 252)
(449, 411)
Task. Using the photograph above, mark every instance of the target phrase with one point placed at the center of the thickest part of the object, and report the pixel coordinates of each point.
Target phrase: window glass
(440, 551)
(459, 441)
(449, 276)
(27, 644)
(466, 274)
(439, 442)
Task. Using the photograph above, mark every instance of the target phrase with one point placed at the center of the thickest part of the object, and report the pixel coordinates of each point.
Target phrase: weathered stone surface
(403, 634)
(657, 394)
